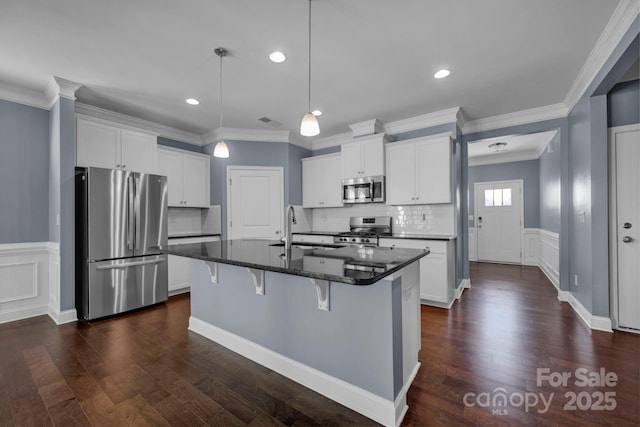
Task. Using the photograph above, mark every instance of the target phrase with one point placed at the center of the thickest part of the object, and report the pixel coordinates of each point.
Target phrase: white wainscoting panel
(549, 259)
(24, 280)
(530, 246)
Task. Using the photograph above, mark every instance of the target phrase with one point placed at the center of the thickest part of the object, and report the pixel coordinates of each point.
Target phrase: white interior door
(499, 221)
(627, 148)
(254, 202)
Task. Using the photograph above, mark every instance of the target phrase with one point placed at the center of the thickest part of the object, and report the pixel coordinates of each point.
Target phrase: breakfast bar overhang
(344, 321)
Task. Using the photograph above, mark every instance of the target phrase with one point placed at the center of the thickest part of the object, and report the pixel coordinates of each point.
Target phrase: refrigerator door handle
(129, 264)
(137, 185)
(130, 212)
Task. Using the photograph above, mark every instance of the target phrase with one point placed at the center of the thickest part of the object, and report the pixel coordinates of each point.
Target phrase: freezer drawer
(121, 285)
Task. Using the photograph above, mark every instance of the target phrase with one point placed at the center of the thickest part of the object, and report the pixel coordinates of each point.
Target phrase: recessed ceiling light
(498, 146)
(277, 57)
(316, 112)
(192, 101)
(442, 74)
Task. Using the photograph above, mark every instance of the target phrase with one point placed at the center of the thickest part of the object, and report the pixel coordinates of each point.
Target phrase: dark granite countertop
(401, 235)
(192, 235)
(324, 263)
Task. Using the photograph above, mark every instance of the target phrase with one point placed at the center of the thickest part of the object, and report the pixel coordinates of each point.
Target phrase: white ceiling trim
(332, 141)
(533, 115)
(620, 22)
(368, 127)
(132, 122)
(519, 156)
(23, 95)
(424, 121)
(60, 88)
(254, 135)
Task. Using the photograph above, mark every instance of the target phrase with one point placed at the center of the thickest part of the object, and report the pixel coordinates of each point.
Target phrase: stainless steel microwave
(368, 189)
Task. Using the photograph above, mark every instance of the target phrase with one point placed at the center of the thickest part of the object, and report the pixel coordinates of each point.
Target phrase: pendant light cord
(221, 55)
(309, 85)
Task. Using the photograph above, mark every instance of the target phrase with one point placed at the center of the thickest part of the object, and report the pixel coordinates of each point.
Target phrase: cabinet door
(331, 182)
(434, 171)
(352, 160)
(312, 183)
(179, 272)
(401, 176)
(97, 144)
(170, 165)
(373, 157)
(138, 151)
(433, 277)
(195, 177)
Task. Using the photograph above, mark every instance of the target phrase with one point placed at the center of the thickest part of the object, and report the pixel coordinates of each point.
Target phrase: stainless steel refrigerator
(121, 220)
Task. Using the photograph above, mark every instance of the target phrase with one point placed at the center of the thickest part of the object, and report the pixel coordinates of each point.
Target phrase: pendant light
(309, 125)
(221, 150)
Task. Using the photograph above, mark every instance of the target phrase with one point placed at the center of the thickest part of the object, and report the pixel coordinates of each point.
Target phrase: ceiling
(519, 148)
(371, 59)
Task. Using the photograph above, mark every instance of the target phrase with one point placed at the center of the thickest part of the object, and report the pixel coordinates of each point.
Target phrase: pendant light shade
(309, 125)
(221, 150)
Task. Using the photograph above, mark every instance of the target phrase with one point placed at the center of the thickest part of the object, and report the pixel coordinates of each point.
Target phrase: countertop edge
(193, 236)
(300, 273)
(410, 236)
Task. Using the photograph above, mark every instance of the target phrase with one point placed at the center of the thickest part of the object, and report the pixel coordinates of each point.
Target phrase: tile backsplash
(423, 219)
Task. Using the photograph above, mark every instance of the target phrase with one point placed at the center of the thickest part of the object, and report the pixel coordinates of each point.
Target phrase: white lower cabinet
(437, 270)
(180, 267)
(311, 238)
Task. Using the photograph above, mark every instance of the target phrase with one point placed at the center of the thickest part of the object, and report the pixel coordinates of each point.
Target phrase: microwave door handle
(372, 188)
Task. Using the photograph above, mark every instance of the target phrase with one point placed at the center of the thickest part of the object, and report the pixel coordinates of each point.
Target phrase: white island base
(360, 351)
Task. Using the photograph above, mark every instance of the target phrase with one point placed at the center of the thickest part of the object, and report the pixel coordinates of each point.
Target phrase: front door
(627, 227)
(498, 207)
(254, 202)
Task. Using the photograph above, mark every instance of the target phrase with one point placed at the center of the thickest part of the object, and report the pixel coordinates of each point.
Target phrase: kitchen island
(343, 321)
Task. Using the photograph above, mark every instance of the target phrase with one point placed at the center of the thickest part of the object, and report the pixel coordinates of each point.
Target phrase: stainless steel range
(365, 231)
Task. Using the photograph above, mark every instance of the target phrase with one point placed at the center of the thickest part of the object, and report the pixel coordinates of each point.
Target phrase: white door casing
(254, 202)
(499, 227)
(625, 226)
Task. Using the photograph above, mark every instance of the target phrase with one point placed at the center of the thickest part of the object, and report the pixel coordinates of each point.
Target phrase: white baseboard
(23, 313)
(379, 409)
(62, 317)
(597, 323)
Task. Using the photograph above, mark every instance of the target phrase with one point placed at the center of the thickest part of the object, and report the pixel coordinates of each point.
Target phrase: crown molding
(533, 115)
(620, 22)
(138, 124)
(504, 157)
(368, 127)
(23, 95)
(331, 141)
(452, 115)
(253, 135)
(60, 88)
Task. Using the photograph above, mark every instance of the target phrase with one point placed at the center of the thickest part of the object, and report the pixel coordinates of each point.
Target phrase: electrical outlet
(575, 280)
(58, 219)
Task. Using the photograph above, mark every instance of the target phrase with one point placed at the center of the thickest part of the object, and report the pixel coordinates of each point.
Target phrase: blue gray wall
(550, 167)
(624, 104)
(249, 153)
(167, 142)
(528, 171)
(24, 173)
(67, 202)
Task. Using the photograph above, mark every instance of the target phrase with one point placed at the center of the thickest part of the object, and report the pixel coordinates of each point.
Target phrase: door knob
(627, 225)
(627, 239)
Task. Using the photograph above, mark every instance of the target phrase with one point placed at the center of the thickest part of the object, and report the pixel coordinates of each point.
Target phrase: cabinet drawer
(436, 246)
(312, 238)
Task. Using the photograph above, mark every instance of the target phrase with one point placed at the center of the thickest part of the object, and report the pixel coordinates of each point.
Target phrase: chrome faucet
(290, 219)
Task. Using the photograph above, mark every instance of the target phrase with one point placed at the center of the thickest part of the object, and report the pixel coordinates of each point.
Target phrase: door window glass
(497, 197)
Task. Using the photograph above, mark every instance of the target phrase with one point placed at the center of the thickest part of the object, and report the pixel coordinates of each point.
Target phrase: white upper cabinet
(321, 181)
(419, 171)
(108, 146)
(188, 177)
(363, 157)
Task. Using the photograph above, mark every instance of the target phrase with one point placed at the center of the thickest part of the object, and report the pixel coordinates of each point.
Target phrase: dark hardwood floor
(145, 368)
